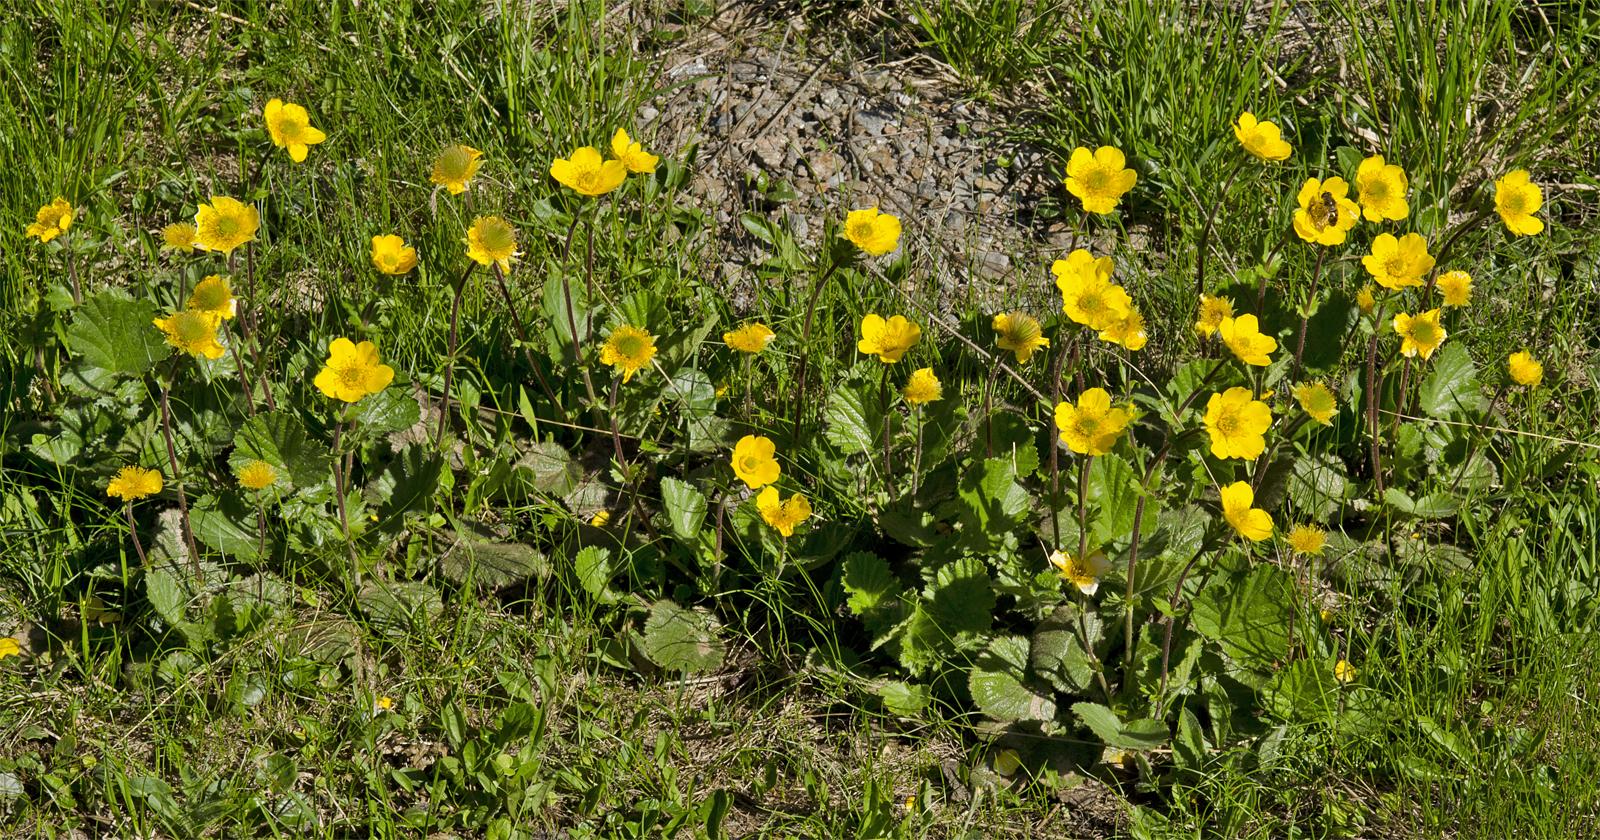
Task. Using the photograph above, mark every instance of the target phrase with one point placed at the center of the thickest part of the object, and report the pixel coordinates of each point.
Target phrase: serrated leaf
(1303, 692)
(1114, 487)
(904, 699)
(406, 484)
(114, 332)
(1247, 611)
(166, 596)
(868, 580)
(686, 508)
(1452, 386)
(594, 569)
(280, 439)
(681, 640)
(961, 600)
(552, 469)
(1056, 652)
(998, 682)
(393, 409)
(226, 525)
(1317, 485)
(490, 563)
(1144, 734)
(398, 608)
(854, 420)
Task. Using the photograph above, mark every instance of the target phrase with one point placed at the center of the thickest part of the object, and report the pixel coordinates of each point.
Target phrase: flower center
(1422, 332)
(749, 463)
(1228, 424)
(353, 376)
(861, 230)
(1396, 266)
(587, 178)
(1098, 180)
(227, 226)
(1088, 425)
(1514, 203)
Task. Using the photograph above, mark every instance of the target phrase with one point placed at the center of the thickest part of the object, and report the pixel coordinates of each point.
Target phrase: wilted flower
(257, 475)
(1127, 331)
(1524, 369)
(1456, 287)
(455, 167)
(628, 349)
(213, 296)
(782, 515)
(1308, 540)
(225, 224)
(1212, 312)
(1085, 572)
(178, 236)
(1317, 401)
(922, 388)
(52, 220)
(751, 338)
(1020, 334)
(492, 241)
(192, 331)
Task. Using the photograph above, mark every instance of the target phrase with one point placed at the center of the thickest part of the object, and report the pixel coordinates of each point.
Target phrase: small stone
(992, 264)
(825, 165)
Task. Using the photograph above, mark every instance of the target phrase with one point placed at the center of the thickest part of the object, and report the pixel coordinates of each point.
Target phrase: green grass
(527, 708)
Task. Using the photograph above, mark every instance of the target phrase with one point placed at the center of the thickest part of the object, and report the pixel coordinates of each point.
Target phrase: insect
(1330, 209)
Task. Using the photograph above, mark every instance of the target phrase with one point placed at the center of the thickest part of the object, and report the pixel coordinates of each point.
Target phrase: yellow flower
(352, 371)
(1087, 294)
(492, 241)
(873, 232)
(1344, 672)
(1381, 189)
(225, 224)
(923, 387)
(1092, 427)
(753, 461)
(1252, 523)
(132, 483)
(600, 519)
(257, 475)
(290, 127)
(632, 154)
(1308, 540)
(9, 647)
(1237, 422)
(213, 296)
(1524, 369)
(391, 254)
(888, 340)
(1212, 312)
(751, 338)
(586, 173)
(384, 704)
(1398, 263)
(178, 236)
(1366, 299)
(1456, 287)
(1243, 336)
(455, 167)
(1020, 334)
(1420, 333)
(1085, 573)
(52, 220)
(1261, 138)
(1326, 213)
(1317, 401)
(1516, 199)
(782, 515)
(628, 349)
(1099, 180)
(1127, 331)
(192, 331)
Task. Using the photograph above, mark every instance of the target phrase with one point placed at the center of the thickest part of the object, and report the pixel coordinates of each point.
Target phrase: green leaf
(398, 608)
(407, 484)
(166, 596)
(1452, 386)
(681, 640)
(226, 525)
(1304, 692)
(280, 439)
(998, 682)
(550, 468)
(961, 600)
(1317, 485)
(869, 582)
(1114, 487)
(114, 332)
(1057, 653)
(904, 699)
(1247, 611)
(393, 409)
(686, 508)
(478, 556)
(994, 501)
(854, 419)
(1145, 734)
(594, 568)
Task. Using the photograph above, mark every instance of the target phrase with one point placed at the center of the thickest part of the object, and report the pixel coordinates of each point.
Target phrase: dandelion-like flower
(455, 167)
(632, 154)
(922, 388)
(1088, 296)
(1243, 337)
(1366, 299)
(492, 241)
(1308, 540)
(352, 371)
(1252, 523)
(1419, 333)
(1237, 422)
(1261, 138)
(1127, 331)
(783, 515)
(1326, 213)
(1381, 190)
(628, 349)
(52, 220)
(887, 339)
(751, 338)
(1455, 287)
(178, 236)
(257, 475)
(1085, 572)
(1092, 427)
(1516, 199)
(132, 483)
(587, 173)
(1525, 370)
(873, 232)
(1099, 179)
(192, 331)
(225, 224)
(1398, 263)
(1020, 334)
(391, 254)
(1317, 401)
(290, 127)
(1212, 312)
(754, 461)
(213, 296)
